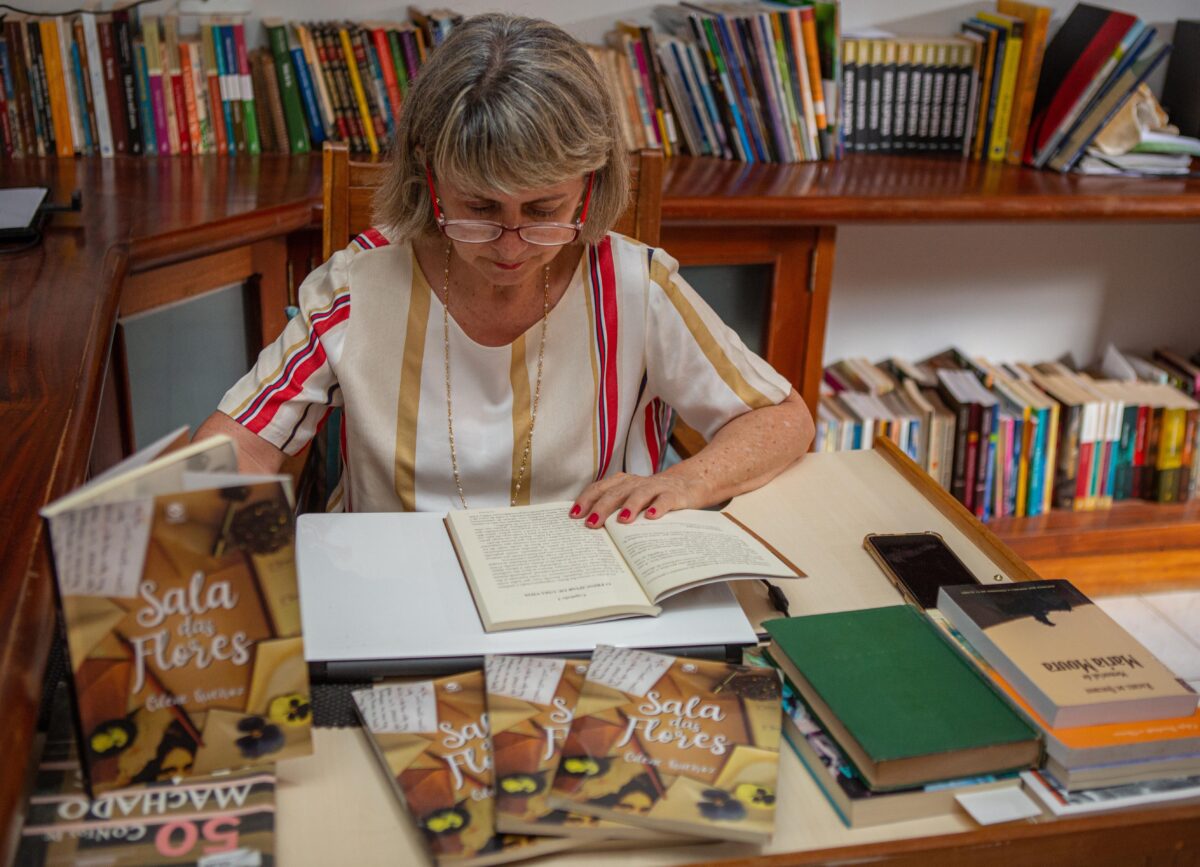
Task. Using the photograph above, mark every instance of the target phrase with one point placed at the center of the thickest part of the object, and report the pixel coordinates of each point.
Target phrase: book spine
(849, 92)
(217, 89)
(324, 99)
(242, 67)
(87, 120)
(98, 80)
(158, 97)
(360, 97)
(946, 137)
(196, 92)
(801, 70)
(397, 51)
(127, 65)
(145, 105)
(75, 111)
(308, 91)
(391, 84)
(937, 97)
(1033, 50)
(875, 51)
(722, 87)
(289, 93)
(1149, 480)
(56, 88)
(8, 137)
(344, 114)
(739, 74)
(233, 85)
(367, 81)
(179, 108)
(22, 94)
(1169, 460)
(41, 90)
(378, 93)
(808, 29)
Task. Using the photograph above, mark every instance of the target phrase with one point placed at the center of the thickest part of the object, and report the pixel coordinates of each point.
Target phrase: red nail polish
(650, 513)
(625, 513)
(576, 509)
(593, 518)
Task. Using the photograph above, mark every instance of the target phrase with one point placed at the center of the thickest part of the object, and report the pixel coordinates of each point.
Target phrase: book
(1073, 60)
(1071, 662)
(155, 823)
(1088, 746)
(679, 745)
(176, 578)
(851, 798)
(535, 566)
(906, 708)
(1064, 803)
(1122, 773)
(1179, 95)
(1033, 49)
(289, 90)
(431, 740)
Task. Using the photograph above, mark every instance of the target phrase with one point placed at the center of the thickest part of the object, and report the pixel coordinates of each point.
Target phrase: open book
(535, 566)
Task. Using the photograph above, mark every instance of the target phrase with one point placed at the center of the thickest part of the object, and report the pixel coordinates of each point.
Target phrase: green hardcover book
(398, 60)
(905, 707)
(289, 90)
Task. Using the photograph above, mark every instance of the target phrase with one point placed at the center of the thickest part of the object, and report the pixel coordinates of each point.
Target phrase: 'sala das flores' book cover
(183, 622)
(679, 745)
(432, 739)
(1072, 662)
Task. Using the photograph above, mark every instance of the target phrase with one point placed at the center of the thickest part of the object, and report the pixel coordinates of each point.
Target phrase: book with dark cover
(431, 740)
(905, 707)
(851, 798)
(1073, 58)
(1072, 662)
(182, 616)
(189, 822)
(849, 95)
(1180, 95)
(127, 67)
(672, 744)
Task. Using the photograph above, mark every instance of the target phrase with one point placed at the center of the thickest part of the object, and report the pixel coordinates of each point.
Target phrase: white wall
(1010, 291)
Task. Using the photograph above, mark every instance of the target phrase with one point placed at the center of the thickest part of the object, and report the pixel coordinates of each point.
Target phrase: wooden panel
(886, 188)
(147, 290)
(793, 335)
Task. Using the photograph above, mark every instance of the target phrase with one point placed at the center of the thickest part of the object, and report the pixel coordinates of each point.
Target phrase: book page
(683, 548)
(535, 562)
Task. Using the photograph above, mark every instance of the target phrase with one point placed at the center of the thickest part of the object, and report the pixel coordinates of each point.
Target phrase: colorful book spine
(62, 35)
(127, 63)
(360, 96)
(308, 90)
(145, 106)
(79, 88)
(97, 76)
(222, 115)
(56, 88)
(234, 85)
(383, 51)
(253, 142)
(8, 127)
(289, 93)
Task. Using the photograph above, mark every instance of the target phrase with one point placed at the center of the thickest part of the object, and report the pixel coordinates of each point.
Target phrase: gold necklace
(537, 390)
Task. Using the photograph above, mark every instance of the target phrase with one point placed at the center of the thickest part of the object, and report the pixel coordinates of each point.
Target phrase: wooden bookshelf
(155, 231)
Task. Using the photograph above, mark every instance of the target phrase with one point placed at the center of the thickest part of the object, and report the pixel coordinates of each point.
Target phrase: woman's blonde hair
(505, 104)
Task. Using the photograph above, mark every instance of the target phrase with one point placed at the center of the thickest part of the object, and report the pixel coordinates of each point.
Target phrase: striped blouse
(627, 343)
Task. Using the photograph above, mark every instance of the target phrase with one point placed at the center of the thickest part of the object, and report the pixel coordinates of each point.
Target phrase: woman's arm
(745, 454)
(255, 454)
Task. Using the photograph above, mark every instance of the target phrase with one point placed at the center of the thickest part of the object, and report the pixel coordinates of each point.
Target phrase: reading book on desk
(535, 566)
(1072, 662)
(177, 582)
(674, 744)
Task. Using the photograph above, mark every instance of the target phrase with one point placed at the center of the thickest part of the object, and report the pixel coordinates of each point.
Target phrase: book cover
(1033, 49)
(673, 744)
(183, 628)
(1072, 662)
(228, 819)
(905, 707)
(431, 739)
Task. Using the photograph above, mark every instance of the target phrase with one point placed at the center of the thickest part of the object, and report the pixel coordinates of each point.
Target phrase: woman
(492, 343)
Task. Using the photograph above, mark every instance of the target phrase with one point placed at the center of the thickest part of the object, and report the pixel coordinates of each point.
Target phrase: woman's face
(509, 260)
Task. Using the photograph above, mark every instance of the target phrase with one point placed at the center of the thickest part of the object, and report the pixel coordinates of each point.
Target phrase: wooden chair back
(348, 192)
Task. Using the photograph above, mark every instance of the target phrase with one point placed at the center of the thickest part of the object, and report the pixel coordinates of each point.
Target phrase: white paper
(399, 708)
(631, 671)
(998, 805)
(19, 205)
(528, 678)
(100, 551)
(241, 857)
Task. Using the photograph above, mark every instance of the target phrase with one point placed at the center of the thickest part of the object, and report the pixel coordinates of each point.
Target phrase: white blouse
(628, 343)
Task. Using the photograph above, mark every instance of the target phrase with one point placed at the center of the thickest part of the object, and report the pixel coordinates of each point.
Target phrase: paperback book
(177, 582)
(228, 820)
(1072, 662)
(432, 740)
(685, 746)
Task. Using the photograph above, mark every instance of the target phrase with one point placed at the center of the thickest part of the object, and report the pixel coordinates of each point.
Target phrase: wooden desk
(186, 224)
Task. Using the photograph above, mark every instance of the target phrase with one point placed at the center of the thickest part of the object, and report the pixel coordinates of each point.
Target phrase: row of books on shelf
(1020, 439)
(998, 92)
(906, 710)
(119, 83)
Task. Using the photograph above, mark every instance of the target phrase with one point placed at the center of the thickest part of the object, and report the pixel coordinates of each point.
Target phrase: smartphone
(918, 564)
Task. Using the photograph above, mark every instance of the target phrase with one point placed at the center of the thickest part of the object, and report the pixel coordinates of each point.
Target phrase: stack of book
(1112, 715)
(534, 755)
(1019, 439)
(119, 83)
(890, 722)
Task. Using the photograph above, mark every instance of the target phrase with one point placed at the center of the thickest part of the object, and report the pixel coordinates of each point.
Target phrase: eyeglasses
(483, 231)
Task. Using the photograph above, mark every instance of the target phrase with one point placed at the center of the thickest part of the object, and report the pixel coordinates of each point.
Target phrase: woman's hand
(628, 496)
